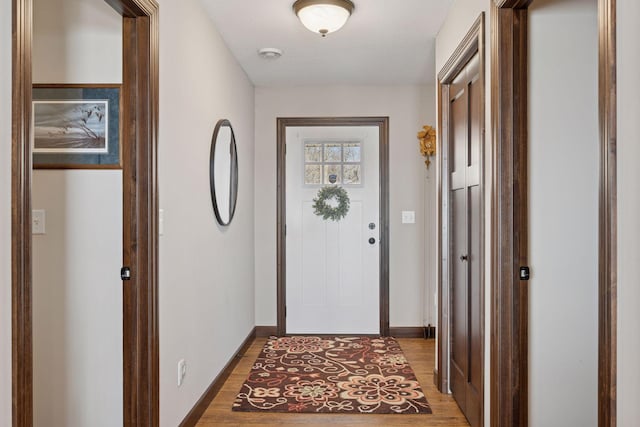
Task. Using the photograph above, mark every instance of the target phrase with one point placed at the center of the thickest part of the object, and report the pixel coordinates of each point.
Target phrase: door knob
(464, 257)
(372, 240)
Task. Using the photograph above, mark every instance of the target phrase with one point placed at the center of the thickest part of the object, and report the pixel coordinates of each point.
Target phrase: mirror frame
(234, 173)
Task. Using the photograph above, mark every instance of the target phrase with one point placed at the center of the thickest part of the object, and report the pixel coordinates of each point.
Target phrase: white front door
(333, 267)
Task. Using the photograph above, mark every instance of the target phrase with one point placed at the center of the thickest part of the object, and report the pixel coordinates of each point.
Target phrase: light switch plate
(38, 220)
(182, 371)
(408, 217)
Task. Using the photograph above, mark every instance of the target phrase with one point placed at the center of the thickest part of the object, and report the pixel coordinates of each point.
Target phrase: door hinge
(285, 311)
(525, 273)
(285, 229)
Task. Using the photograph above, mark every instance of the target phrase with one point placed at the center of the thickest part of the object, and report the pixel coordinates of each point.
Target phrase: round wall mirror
(223, 172)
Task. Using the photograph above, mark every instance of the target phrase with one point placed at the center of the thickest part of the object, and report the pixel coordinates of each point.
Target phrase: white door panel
(333, 281)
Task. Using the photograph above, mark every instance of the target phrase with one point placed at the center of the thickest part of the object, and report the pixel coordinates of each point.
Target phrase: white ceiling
(385, 42)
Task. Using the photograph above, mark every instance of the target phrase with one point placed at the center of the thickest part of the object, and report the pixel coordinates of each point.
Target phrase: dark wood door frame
(509, 222)
(140, 200)
(608, 216)
(509, 240)
(383, 125)
(472, 44)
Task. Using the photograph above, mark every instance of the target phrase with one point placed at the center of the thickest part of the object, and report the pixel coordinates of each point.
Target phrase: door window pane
(312, 174)
(352, 152)
(313, 153)
(333, 153)
(352, 174)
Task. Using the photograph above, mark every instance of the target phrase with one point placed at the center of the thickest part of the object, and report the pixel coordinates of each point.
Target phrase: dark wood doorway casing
(509, 207)
(140, 200)
(608, 216)
(470, 46)
(509, 239)
(383, 125)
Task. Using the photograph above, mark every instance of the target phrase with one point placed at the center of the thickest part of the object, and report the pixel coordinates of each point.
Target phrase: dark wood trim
(608, 217)
(21, 273)
(266, 331)
(210, 393)
(442, 183)
(133, 8)
(408, 331)
(383, 125)
(513, 4)
(509, 222)
(139, 145)
(281, 321)
(139, 117)
(473, 43)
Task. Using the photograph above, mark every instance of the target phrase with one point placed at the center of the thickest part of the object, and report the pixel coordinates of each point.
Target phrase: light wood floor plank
(421, 356)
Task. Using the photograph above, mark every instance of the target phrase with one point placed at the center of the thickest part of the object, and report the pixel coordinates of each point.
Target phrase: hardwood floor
(419, 352)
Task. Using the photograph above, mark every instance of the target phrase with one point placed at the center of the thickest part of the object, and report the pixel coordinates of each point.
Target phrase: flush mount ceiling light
(323, 16)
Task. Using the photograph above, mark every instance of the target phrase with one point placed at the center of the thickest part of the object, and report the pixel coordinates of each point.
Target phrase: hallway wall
(409, 107)
(628, 15)
(206, 271)
(563, 213)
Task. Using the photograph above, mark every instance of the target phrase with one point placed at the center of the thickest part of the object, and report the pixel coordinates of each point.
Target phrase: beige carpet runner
(332, 375)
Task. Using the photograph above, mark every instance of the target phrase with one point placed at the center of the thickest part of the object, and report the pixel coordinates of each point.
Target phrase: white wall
(77, 294)
(5, 213)
(461, 16)
(206, 271)
(77, 299)
(628, 214)
(76, 41)
(408, 108)
(563, 213)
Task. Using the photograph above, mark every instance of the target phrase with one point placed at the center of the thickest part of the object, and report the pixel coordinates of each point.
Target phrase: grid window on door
(333, 163)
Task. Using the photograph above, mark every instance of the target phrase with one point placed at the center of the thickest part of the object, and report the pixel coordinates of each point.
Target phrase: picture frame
(76, 126)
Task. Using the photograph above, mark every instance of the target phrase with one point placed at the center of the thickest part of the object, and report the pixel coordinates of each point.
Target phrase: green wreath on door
(323, 208)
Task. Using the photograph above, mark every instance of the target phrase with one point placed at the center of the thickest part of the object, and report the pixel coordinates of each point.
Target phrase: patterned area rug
(338, 375)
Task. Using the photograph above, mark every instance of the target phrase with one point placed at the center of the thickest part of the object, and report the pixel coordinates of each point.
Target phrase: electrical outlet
(182, 371)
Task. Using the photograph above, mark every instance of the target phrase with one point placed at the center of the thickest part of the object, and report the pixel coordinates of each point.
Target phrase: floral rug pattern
(341, 375)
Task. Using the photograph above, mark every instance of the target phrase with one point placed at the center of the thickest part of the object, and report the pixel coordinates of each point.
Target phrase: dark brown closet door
(466, 304)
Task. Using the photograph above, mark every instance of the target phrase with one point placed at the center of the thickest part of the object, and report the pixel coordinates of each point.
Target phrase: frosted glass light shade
(323, 16)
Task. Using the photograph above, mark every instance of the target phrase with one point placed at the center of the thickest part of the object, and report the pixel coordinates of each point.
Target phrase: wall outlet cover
(38, 221)
(182, 371)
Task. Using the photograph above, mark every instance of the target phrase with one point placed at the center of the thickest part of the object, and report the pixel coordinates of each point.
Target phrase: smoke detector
(270, 53)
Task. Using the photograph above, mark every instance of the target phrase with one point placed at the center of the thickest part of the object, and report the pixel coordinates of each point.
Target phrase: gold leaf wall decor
(427, 138)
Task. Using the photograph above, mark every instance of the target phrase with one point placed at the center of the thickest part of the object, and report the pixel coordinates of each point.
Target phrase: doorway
(333, 263)
(139, 140)
(461, 245)
(337, 270)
